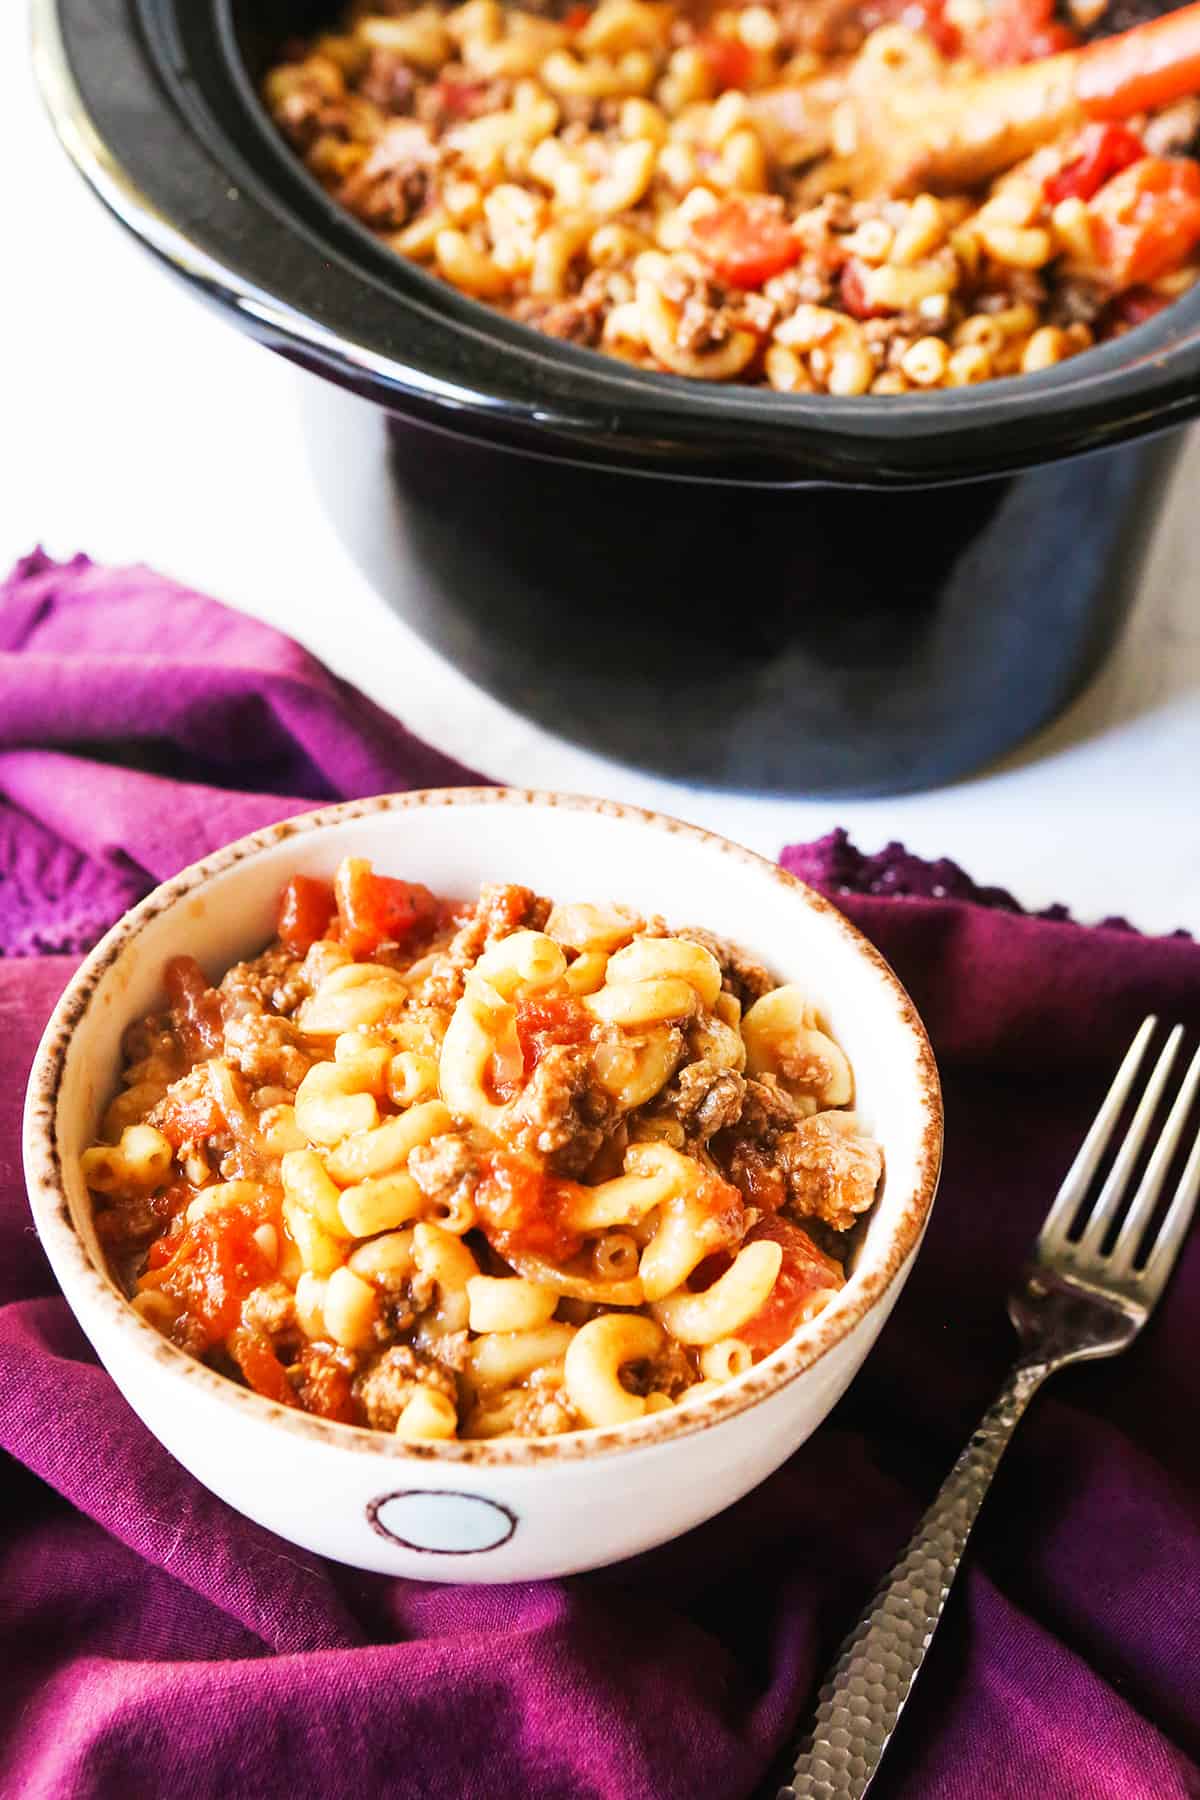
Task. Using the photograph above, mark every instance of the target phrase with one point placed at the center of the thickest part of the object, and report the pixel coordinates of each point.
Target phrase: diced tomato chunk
(195, 1007)
(212, 1264)
(263, 1370)
(522, 1208)
(190, 1120)
(806, 1275)
(377, 909)
(763, 1183)
(729, 60)
(577, 18)
(163, 1248)
(746, 240)
(854, 291)
(558, 1019)
(306, 908)
(1146, 220)
(1017, 31)
(1101, 150)
(458, 99)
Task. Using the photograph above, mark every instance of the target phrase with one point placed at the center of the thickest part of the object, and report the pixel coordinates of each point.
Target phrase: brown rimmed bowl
(501, 1509)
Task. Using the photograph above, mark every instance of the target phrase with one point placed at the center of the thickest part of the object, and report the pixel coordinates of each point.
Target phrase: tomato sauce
(378, 909)
(1101, 151)
(195, 1008)
(804, 1273)
(745, 241)
(306, 909)
(261, 1367)
(121, 1224)
(192, 1119)
(208, 1266)
(1146, 220)
(559, 1019)
(763, 1184)
(730, 62)
(522, 1208)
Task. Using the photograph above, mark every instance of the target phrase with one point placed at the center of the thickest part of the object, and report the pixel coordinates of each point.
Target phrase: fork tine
(1113, 1191)
(1174, 1227)
(1145, 1200)
(1071, 1194)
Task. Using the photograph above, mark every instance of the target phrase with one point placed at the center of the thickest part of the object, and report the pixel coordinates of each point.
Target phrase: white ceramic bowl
(506, 1509)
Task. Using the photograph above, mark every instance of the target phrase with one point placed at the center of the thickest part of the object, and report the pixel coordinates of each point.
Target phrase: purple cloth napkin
(154, 1642)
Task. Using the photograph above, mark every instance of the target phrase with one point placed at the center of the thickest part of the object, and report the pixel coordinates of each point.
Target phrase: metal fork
(1080, 1297)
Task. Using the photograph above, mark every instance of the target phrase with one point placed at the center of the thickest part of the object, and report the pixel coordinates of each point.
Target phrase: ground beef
(580, 317)
(273, 983)
(386, 1386)
(708, 312)
(560, 1113)
(388, 82)
(504, 908)
(452, 1349)
(768, 1110)
(669, 1371)
(832, 1169)
(578, 320)
(124, 1222)
(543, 1410)
(392, 185)
(1077, 302)
(323, 1377)
(149, 1037)
(705, 1098)
(271, 1311)
(267, 1050)
(313, 110)
(501, 909)
(741, 976)
(446, 1170)
(749, 1152)
(389, 201)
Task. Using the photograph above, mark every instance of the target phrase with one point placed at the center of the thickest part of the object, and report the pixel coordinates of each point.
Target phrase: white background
(139, 426)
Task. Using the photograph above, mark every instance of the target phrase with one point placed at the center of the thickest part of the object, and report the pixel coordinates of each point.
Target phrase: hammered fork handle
(860, 1704)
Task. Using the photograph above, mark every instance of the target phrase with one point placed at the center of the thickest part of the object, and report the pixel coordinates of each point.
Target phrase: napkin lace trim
(834, 864)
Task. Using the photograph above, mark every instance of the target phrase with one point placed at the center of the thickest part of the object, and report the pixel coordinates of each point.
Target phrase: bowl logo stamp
(441, 1520)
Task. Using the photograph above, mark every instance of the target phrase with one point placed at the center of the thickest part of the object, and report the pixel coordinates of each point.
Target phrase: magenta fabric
(156, 1643)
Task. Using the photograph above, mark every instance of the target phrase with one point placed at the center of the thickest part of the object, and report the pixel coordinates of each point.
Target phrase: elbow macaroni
(467, 1190)
(732, 1300)
(595, 1358)
(542, 164)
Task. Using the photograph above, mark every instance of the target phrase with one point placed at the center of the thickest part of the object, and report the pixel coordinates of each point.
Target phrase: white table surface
(139, 426)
